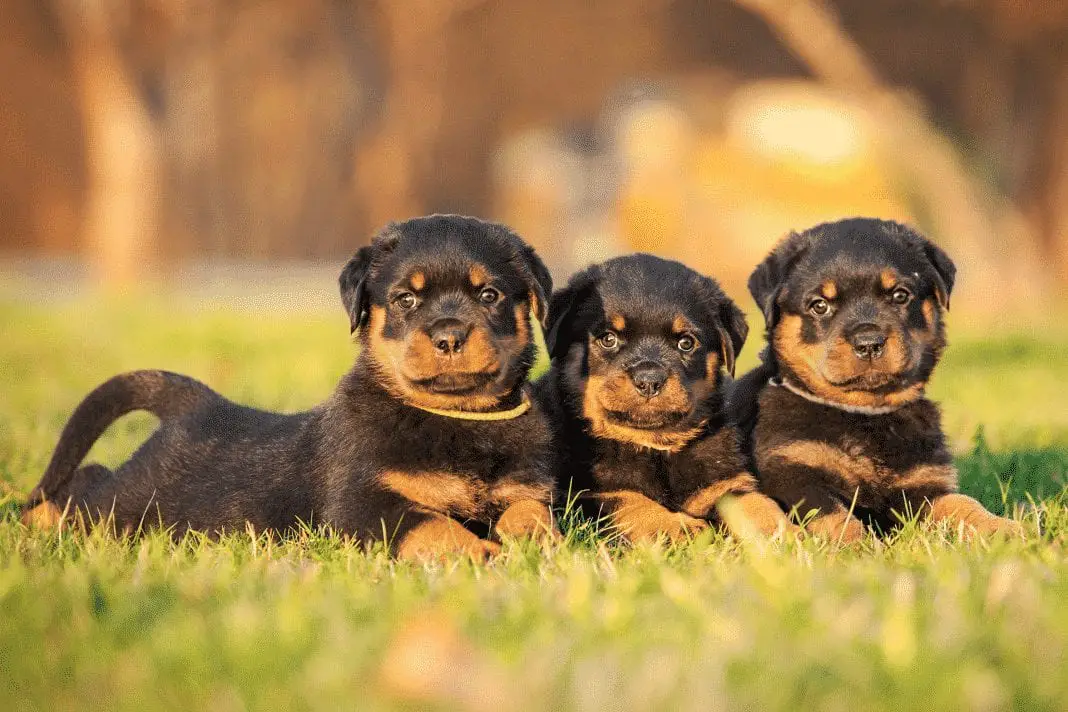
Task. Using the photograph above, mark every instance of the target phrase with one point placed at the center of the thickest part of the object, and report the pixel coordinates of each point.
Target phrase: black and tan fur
(639, 347)
(442, 305)
(837, 422)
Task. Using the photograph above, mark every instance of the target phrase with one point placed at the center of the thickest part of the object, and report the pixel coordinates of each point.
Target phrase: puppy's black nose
(649, 378)
(448, 335)
(867, 341)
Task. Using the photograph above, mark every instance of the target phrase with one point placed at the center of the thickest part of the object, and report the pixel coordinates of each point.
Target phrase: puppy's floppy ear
(732, 328)
(354, 275)
(945, 272)
(352, 282)
(768, 278)
(563, 309)
(540, 283)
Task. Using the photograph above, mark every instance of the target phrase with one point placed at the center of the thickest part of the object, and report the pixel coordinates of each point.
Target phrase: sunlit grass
(921, 620)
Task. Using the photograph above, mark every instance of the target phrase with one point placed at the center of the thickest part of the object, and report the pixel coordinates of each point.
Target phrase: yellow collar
(523, 407)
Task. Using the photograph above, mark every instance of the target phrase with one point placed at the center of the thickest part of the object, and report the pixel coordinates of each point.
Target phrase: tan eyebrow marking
(829, 289)
(618, 323)
(888, 278)
(417, 280)
(478, 275)
(680, 324)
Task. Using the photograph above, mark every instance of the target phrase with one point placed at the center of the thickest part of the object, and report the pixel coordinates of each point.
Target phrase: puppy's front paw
(481, 549)
(674, 527)
(439, 538)
(528, 518)
(1000, 527)
(841, 527)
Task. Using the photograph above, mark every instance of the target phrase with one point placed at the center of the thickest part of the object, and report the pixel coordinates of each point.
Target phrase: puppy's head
(642, 343)
(854, 310)
(444, 305)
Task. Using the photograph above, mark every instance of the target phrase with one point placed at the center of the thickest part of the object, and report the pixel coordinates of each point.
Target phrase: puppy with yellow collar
(430, 443)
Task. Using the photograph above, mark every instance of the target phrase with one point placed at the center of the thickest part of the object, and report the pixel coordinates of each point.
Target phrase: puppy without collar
(639, 348)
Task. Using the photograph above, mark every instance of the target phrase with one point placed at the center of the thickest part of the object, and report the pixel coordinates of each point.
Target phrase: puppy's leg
(435, 536)
(823, 514)
(758, 511)
(808, 489)
(639, 518)
(839, 525)
(962, 508)
(527, 517)
(764, 514)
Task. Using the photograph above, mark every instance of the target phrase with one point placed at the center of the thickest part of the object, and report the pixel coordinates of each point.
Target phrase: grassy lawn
(921, 621)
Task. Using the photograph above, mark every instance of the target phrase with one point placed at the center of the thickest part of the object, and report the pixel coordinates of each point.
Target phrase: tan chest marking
(444, 492)
(462, 495)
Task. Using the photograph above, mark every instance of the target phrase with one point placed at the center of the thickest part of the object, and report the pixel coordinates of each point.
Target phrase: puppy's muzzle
(868, 341)
(648, 378)
(448, 335)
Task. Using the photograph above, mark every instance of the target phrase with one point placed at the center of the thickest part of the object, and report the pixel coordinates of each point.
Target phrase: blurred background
(207, 143)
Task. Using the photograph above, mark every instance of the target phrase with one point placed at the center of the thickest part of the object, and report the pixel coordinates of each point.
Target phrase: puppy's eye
(819, 307)
(900, 296)
(608, 341)
(686, 343)
(489, 295)
(405, 300)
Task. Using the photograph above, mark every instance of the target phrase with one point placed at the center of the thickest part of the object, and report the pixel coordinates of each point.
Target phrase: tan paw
(528, 519)
(840, 528)
(1000, 527)
(439, 538)
(674, 527)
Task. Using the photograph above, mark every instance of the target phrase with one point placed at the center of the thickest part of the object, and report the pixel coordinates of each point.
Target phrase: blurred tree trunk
(1045, 198)
(960, 207)
(391, 166)
(122, 216)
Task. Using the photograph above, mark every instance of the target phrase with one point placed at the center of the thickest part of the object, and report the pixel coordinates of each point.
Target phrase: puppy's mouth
(659, 420)
(456, 384)
(874, 382)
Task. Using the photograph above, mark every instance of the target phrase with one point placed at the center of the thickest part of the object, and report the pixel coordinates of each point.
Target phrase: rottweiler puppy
(836, 418)
(639, 346)
(432, 428)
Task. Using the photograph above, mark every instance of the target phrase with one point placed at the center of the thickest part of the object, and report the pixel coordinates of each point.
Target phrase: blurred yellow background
(145, 141)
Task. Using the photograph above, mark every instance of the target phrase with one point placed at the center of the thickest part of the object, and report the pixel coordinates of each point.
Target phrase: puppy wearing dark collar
(639, 347)
(836, 418)
(432, 429)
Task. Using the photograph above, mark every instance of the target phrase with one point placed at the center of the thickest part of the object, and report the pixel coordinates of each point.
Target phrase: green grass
(923, 620)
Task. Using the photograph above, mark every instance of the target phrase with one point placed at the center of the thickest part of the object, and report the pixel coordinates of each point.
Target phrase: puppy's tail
(164, 394)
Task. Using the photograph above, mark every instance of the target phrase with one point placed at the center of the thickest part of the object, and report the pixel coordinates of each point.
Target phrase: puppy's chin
(873, 381)
(870, 391)
(652, 420)
(643, 434)
(459, 391)
(456, 384)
